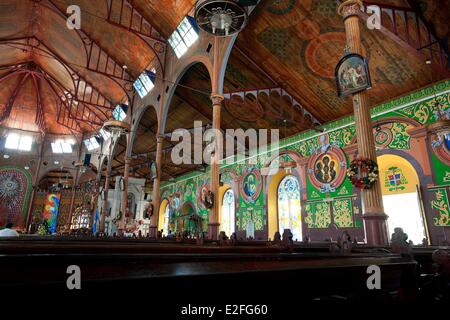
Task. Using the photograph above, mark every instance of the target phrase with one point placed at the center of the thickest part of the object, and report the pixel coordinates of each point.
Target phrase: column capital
(160, 138)
(217, 98)
(350, 8)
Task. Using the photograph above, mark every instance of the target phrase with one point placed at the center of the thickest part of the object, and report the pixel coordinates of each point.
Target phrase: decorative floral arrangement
(43, 229)
(363, 173)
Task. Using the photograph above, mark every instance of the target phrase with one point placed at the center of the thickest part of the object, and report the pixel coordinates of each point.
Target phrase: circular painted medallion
(251, 185)
(281, 7)
(327, 170)
(383, 137)
(319, 53)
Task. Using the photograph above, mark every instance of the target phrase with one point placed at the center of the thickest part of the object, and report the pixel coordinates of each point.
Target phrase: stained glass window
(289, 210)
(227, 223)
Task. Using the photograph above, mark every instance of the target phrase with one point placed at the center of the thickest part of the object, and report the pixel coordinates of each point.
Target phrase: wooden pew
(124, 264)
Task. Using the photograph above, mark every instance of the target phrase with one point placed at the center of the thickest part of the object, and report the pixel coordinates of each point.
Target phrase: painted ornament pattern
(342, 210)
(13, 187)
(441, 205)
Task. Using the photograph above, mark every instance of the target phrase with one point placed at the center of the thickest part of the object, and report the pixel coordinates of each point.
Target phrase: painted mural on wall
(15, 189)
(392, 136)
(327, 166)
(330, 201)
(442, 207)
(440, 145)
(251, 185)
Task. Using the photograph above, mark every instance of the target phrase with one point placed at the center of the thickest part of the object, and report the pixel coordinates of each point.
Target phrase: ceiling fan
(222, 18)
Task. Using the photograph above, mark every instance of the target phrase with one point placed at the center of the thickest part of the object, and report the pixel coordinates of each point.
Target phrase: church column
(374, 216)
(156, 184)
(105, 203)
(217, 98)
(213, 225)
(126, 173)
(94, 198)
(34, 186)
(72, 199)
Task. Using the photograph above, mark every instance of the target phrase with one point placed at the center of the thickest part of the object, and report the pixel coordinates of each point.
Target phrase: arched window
(289, 210)
(227, 223)
(166, 220)
(401, 199)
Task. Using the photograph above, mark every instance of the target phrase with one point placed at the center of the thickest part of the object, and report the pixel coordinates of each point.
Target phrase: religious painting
(202, 195)
(327, 170)
(251, 185)
(352, 75)
(440, 144)
(51, 210)
(176, 200)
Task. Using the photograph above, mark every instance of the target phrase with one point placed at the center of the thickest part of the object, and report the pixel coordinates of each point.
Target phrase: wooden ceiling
(86, 64)
(295, 45)
(299, 43)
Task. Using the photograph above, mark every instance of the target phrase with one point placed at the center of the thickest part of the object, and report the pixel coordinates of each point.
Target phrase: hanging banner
(96, 219)
(51, 210)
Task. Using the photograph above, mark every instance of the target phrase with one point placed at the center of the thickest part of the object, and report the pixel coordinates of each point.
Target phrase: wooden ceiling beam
(48, 53)
(12, 98)
(152, 37)
(441, 66)
(276, 83)
(89, 44)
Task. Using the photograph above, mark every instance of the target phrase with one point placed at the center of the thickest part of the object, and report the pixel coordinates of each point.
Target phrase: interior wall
(326, 212)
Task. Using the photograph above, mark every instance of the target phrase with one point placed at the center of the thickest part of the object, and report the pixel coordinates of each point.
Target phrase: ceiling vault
(100, 60)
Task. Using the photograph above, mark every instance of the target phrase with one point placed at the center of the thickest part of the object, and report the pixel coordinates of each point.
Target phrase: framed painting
(352, 75)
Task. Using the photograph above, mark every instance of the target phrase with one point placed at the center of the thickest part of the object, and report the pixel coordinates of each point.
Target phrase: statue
(345, 243)
(250, 230)
(399, 243)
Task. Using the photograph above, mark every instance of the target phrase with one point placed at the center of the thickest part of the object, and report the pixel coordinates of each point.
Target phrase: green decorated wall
(329, 202)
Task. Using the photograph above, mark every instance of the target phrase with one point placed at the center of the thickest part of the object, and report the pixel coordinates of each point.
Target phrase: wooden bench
(164, 266)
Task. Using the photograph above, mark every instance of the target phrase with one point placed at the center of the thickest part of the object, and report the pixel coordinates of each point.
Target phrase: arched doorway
(227, 219)
(144, 143)
(164, 217)
(401, 198)
(283, 204)
(188, 222)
